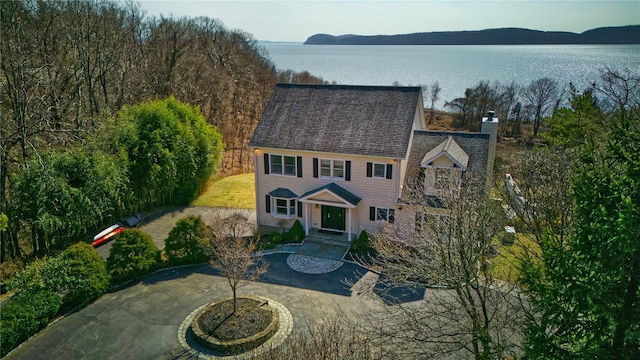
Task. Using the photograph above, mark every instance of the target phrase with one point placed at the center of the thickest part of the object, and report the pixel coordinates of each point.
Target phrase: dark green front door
(333, 217)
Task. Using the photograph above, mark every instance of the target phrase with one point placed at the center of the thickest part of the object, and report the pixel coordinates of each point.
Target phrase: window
(382, 214)
(276, 164)
(283, 165)
(285, 207)
(332, 168)
(290, 165)
(379, 170)
(443, 178)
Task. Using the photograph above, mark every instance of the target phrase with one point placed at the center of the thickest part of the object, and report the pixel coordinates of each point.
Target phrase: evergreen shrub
(185, 241)
(362, 244)
(297, 231)
(89, 271)
(133, 255)
(24, 315)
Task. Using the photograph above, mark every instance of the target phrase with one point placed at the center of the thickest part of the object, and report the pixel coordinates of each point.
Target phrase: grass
(236, 191)
(505, 266)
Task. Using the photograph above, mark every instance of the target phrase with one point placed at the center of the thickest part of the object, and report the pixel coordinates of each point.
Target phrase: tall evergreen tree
(585, 293)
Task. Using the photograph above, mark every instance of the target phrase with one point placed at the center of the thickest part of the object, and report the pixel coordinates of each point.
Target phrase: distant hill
(505, 36)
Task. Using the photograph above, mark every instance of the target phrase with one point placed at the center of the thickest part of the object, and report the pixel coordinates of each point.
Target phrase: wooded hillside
(67, 67)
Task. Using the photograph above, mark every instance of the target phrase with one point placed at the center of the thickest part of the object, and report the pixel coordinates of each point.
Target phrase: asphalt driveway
(159, 225)
(142, 321)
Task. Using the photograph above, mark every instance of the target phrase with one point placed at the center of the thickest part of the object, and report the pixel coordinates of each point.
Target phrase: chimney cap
(490, 115)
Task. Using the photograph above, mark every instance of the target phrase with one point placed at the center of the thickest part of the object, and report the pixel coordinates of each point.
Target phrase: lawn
(231, 192)
(505, 266)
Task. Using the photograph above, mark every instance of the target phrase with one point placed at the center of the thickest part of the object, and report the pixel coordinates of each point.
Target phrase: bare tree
(233, 251)
(434, 95)
(543, 177)
(468, 312)
(540, 96)
(621, 88)
(478, 100)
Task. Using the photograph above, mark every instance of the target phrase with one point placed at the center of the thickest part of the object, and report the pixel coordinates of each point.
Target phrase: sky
(296, 20)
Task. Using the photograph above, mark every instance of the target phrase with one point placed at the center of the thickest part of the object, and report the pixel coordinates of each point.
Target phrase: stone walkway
(327, 258)
(312, 265)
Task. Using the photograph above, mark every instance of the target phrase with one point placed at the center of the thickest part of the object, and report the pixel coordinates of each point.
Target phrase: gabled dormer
(443, 166)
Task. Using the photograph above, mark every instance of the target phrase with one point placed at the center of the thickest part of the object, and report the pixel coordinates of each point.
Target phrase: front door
(333, 217)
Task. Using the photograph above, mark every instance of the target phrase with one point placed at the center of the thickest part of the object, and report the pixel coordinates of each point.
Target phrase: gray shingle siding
(355, 120)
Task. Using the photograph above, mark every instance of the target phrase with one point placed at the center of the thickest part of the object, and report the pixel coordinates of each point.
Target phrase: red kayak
(107, 234)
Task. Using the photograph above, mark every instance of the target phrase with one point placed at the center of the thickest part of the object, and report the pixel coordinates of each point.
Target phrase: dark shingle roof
(283, 193)
(356, 120)
(450, 147)
(337, 190)
(476, 145)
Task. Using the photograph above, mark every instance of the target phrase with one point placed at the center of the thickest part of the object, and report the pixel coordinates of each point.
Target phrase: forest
(68, 71)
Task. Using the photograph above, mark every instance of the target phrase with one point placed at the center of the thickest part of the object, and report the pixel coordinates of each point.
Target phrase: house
(338, 157)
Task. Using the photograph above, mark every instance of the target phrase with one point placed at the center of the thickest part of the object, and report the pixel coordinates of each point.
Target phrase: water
(456, 68)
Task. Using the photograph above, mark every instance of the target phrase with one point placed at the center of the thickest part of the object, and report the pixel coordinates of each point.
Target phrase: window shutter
(392, 216)
(347, 170)
(372, 213)
(266, 163)
(389, 171)
(369, 169)
(315, 167)
(299, 165)
(268, 204)
(299, 209)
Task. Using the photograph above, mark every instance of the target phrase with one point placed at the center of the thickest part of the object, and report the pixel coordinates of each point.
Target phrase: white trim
(289, 215)
(344, 203)
(307, 215)
(349, 224)
(282, 157)
(268, 151)
(328, 203)
(373, 170)
(332, 169)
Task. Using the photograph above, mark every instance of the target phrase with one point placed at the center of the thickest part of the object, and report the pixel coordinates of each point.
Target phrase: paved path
(143, 320)
(158, 226)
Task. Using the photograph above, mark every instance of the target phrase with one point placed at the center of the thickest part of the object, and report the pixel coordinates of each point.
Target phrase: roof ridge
(447, 144)
(352, 87)
(451, 133)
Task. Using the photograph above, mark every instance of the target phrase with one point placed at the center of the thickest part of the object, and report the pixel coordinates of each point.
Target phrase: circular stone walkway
(312, 265)
(200, 352)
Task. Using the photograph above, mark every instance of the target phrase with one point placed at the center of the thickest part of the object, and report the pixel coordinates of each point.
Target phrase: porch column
(306, 218)
(349, 225)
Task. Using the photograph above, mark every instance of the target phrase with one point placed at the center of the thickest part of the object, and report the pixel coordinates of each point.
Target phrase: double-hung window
(379, 170)
(332, 168)
(283, 165)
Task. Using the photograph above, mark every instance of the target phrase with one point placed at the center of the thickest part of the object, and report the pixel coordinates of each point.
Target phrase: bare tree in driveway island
(233, 249)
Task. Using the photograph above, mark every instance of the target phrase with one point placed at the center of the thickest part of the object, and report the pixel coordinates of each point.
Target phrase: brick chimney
(490, 126)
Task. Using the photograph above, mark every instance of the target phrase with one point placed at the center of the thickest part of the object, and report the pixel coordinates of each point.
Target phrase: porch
(329, 211)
